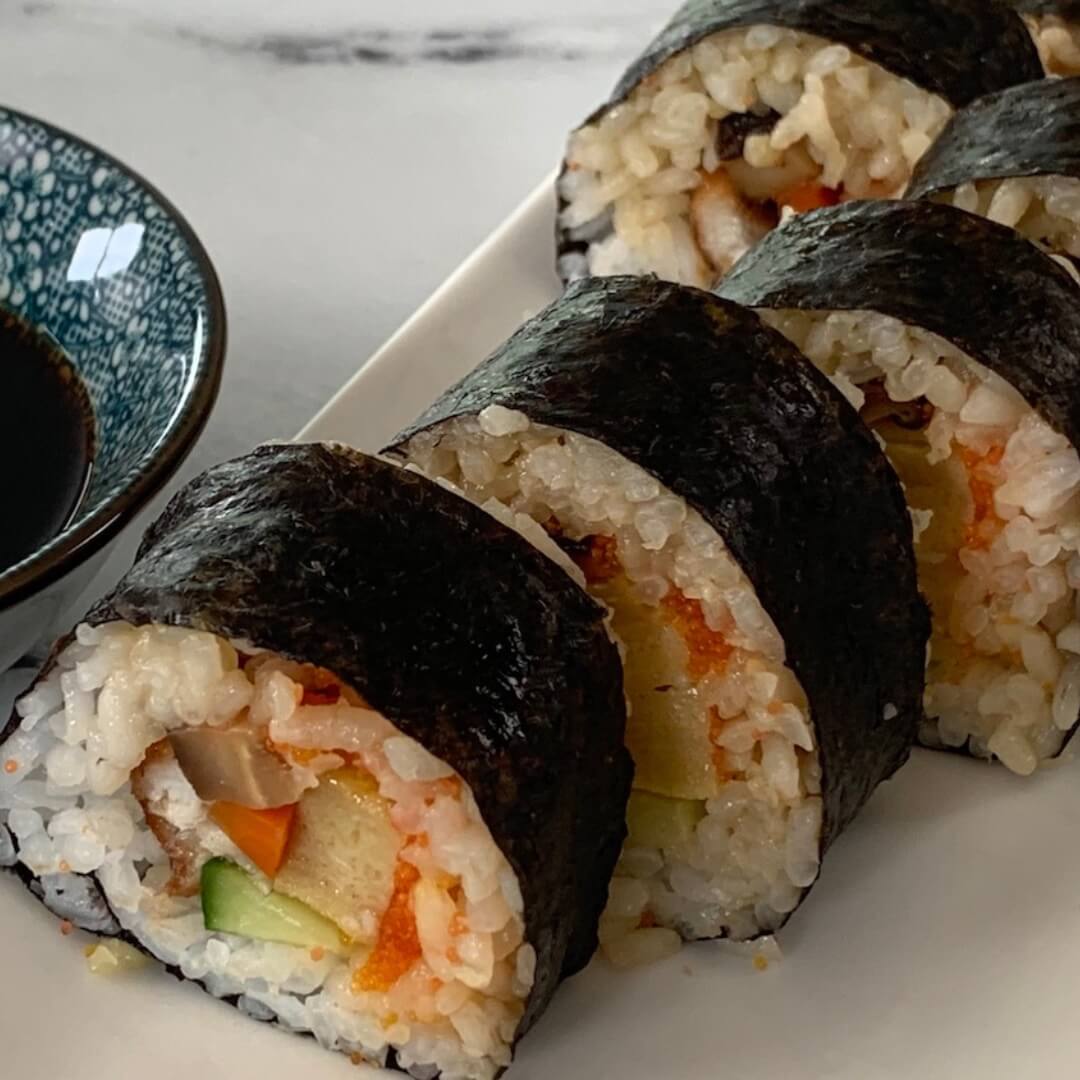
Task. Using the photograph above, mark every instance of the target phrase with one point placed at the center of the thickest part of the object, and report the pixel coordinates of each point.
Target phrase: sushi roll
(752, 543)
(343, 749)
(1055, 27)
(1013, 157)
(742, 112)
(959, 341)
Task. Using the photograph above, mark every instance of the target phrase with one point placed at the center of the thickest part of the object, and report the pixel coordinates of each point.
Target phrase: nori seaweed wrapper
(1028, 130)
(975, 283)
(959, 49)
(727, 414)
(447, 622)
(982, 286)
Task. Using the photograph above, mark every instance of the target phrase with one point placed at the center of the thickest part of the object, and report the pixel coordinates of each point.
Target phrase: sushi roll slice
(343, 749)
(1055, 27)
(959, 341)
(1013, 157)
(749, 536)
(742, 112)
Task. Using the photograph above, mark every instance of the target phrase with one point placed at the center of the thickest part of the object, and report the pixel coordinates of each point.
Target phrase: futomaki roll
(1055, 26)
(960, 343)
(753, 545)
(742, 112)
(343, 749)
(1013, 157)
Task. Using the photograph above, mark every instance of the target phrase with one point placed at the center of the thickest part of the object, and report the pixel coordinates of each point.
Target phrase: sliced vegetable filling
(725, 816)
(994, 490)
(723, 141)
(376, 877)
(399, 848)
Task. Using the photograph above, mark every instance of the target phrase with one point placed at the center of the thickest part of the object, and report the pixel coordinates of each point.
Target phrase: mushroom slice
(234, 765)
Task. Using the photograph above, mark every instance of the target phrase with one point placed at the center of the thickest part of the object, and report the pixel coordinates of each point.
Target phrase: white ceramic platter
(942, 942)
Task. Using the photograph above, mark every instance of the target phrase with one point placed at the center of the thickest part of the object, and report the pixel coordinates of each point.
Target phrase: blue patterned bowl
(93, 256)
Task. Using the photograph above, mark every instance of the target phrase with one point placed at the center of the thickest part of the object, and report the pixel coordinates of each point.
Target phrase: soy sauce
(46, 440)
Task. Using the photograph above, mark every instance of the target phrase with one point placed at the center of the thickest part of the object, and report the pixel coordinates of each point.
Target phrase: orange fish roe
(11, 765)
(709, 649)
(397, 946)
(66, 927)
(317, 953)
(986, 524)
(599, 562)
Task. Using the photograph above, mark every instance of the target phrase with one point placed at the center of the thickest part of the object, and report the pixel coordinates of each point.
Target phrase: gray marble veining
(372, 32)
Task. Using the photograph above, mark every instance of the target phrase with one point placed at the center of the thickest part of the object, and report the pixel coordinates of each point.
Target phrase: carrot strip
(321, 695)
(808, 196)
(262, 835)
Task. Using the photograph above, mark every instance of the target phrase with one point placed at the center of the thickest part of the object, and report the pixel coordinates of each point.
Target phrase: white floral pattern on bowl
(97, 259)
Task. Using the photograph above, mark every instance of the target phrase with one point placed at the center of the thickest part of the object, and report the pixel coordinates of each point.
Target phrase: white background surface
(943, 940)
(333, 188)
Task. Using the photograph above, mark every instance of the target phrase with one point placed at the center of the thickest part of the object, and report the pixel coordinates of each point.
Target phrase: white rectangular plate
(943, 940)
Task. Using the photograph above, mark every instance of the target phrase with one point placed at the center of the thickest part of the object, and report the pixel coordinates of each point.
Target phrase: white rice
(1058, 42)
(757, 780)
(636, 184)
(1004, 669)
(1045, 209)
(66, 800)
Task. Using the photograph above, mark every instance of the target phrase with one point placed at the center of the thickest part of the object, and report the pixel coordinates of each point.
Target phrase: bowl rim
(76, 544)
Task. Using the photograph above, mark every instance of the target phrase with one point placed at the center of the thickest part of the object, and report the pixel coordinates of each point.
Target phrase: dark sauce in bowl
(46, 440)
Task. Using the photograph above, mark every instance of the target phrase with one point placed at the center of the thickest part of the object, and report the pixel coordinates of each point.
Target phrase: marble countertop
(338, 158)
